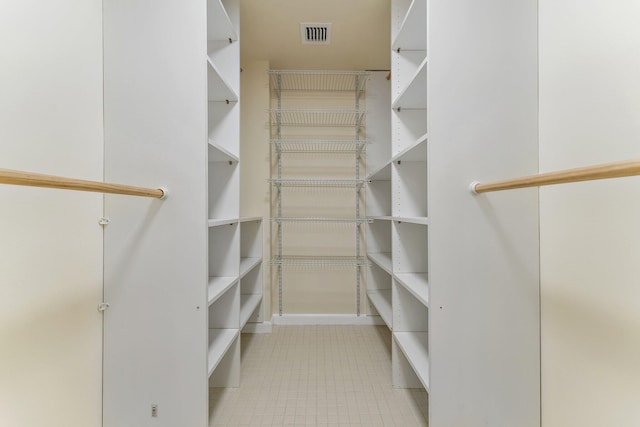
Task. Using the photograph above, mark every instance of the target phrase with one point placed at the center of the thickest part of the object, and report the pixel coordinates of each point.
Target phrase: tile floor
(317, 376)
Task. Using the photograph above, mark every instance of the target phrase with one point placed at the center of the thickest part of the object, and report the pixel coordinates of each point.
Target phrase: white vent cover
(315, 33)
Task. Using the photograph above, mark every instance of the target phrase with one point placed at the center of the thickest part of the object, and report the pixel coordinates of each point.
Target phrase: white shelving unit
(234, 291)
(298, 132)
(397, 239)
(250, 270)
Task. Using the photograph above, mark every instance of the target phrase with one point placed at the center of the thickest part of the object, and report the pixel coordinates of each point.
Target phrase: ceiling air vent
(314, 33)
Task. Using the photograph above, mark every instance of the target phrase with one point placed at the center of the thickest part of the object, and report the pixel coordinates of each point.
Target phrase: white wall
(50, 240)
(590, 234)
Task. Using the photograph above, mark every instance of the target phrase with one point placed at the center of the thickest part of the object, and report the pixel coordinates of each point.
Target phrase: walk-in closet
(330, 213)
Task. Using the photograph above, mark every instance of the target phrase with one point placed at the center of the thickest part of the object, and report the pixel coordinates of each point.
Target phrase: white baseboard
(326, 319)
(257, 328)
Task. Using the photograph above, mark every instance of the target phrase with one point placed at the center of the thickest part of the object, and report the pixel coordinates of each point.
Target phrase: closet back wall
(50, 240)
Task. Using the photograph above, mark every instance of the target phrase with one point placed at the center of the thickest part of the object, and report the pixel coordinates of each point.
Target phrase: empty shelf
(318, 261)
(414, 95)
(417, 152)
(319, 81)
(219, 342)
(381, 174)
(415, 346)
(333, 220)
(250, 218)
(219, 26)
(218, 88)
(221, 154)
(381, 300)
(318, 118)
(422, 220)
(248, 304)
(382, 260)
(416, 283)
(218, 285)
(412, 34)
(248, 264)
(380, 218)
(221, 221)
(337, 183)
(318, 146)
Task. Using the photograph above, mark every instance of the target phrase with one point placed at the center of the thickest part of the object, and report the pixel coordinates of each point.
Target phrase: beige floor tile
(317, 375)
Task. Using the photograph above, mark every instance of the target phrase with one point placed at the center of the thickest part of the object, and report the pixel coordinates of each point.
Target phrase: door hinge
(103, 306)
(104, 221)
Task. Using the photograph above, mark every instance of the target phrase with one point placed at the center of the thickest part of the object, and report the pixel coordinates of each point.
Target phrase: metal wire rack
(353, 82)
(319, 183)
(319, 261)
(317, 118)
(319, 146)
(319, 81)
(330, 220)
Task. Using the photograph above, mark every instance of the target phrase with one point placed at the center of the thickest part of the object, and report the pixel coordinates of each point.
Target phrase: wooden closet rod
(589, 173)
(38, 180)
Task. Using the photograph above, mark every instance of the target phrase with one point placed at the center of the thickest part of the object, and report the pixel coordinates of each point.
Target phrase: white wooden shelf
(219, 90)
(247, 264)
(409, 195)
(250, 218)
(216, 222)
(222, 57)
(381, 174)
(220, 341)
(414, 95)
(248, 304)
(416, 283)
(218, 285)
(219, 25)
(410, 248)
(381, 300)
(220, 154)
(381, 217)
(412, 34)
(382, 260)
(414, 345)
(416, 152)
(421, 220)
(408, 188)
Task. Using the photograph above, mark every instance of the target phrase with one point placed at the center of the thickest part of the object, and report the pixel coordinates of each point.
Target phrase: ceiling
(270, 29)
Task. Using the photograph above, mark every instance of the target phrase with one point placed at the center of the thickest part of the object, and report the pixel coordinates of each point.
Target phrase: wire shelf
(322, 183)
(318, 118)
(330, 220)
(319, 261)
(319, 146)
(319, 81)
